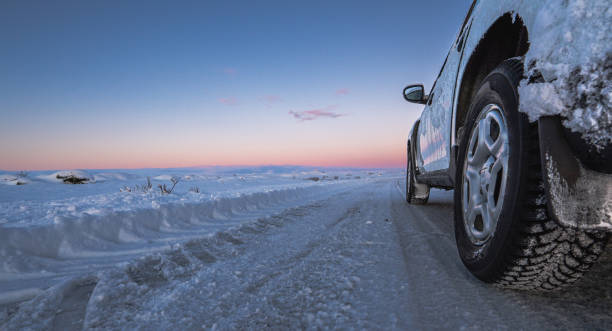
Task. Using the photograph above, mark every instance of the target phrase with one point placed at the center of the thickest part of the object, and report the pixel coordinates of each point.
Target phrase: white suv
(519, 124)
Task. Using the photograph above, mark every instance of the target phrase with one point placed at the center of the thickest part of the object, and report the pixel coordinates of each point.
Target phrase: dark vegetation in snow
(145, 188)
(72, 179)
(165, 190)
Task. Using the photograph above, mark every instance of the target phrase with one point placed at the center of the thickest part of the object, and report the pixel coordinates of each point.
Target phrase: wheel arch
(506, 38)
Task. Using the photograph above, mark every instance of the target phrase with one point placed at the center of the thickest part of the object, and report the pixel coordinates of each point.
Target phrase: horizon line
(217, 166)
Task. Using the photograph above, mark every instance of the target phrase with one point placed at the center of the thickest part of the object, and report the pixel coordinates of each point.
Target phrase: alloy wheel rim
(485, 174)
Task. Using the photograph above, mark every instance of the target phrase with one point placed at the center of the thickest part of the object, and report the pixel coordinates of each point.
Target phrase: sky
(159, 84)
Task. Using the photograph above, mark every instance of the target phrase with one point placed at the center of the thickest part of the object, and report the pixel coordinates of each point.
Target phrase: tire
(416, 193)
(514, 243)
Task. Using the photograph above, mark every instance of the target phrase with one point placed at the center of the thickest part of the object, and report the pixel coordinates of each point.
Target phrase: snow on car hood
(571, 47)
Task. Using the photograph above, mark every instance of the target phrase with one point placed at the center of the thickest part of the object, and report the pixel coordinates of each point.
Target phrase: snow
(40, 203)
(571, 47)
(14, 179)
(312, 264)
(273, 247)
(51, 232)
(59, 176)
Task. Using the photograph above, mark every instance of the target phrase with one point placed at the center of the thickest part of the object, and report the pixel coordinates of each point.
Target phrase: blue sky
(114, 84)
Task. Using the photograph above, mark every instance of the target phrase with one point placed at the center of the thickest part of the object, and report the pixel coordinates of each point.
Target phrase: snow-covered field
(293, 253)
(43, 198)
(52, 231)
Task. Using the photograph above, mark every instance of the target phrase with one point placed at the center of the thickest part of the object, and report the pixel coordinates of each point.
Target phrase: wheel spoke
(482, 150)
(498, 170)
(499, 165)
(472, 176)
(497, 145)
(471, 147)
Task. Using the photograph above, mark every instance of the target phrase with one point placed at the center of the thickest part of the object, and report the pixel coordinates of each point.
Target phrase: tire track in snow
(82, 245)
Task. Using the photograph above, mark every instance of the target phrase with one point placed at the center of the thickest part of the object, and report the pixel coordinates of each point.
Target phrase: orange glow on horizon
(390, 158)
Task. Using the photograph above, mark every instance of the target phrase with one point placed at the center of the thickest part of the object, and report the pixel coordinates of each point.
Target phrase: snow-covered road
(358, 258)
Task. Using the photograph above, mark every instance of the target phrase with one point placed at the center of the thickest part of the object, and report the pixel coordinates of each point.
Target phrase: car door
(434, 136)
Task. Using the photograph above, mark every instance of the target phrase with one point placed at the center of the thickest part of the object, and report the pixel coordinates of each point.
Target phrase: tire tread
(550, 256)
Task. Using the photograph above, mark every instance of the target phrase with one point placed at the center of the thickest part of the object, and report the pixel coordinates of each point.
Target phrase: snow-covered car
(519, 124)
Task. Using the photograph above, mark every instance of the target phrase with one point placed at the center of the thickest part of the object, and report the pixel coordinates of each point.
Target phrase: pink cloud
(310, 115)
(228, 101)
(343, 91)
(230, 71)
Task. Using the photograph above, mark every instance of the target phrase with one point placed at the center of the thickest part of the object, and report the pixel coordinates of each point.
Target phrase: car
(519, 124)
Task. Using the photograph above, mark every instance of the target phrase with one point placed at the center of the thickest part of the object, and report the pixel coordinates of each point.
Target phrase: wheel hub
(485, 172)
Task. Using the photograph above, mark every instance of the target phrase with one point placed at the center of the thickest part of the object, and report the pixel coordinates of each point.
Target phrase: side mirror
(415, 93)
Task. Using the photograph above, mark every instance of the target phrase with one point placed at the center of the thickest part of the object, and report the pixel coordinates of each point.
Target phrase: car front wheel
(503, 231)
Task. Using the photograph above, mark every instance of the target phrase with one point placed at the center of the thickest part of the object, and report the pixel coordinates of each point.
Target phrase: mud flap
(577, 197)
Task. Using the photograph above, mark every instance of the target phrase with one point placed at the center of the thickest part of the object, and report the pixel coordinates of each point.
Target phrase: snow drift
(51, 232)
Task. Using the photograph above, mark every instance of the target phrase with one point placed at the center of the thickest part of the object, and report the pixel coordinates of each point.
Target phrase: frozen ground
(351, 254)
(51, 231)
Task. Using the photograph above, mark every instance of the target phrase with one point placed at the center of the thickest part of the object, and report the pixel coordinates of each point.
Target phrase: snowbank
(47, 200)
(51, 232)
(21, 248)
(10, 179)
(68, 177)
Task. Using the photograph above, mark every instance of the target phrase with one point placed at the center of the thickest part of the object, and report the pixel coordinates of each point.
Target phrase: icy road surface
(358, 258)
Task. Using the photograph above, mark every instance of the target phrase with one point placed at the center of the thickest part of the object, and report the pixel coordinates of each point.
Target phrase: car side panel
(436, 133)
(436, 121)
(433, 149)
